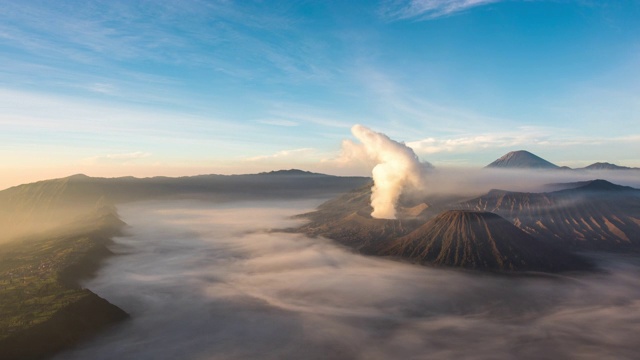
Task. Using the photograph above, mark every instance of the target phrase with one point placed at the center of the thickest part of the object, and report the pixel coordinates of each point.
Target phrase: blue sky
(146, 88)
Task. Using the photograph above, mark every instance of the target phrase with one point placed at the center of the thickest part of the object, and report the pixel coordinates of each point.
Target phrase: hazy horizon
(451, 179)
(117, 88)
(417, 95)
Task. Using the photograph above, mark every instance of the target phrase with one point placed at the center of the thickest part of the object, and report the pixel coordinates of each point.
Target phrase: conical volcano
(482, 241)
(521, 159)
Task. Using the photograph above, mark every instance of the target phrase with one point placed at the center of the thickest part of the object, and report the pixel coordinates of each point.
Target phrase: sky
(143, 88)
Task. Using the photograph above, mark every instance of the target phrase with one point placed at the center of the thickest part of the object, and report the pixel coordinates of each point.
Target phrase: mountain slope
(428, 235)
(481, 241)
(521, 159)
(347, 220)
(44, 204)
(607, 166)
(43, 308)
(528, 231)
(597, 215)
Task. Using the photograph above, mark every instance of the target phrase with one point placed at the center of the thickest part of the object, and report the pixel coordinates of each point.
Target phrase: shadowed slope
(347, 220)
(482, 241)
(43, 309)
(607, 166)
(597, 215)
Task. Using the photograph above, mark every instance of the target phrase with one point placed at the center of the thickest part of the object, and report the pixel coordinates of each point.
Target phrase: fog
(475, 182)
(211, 281)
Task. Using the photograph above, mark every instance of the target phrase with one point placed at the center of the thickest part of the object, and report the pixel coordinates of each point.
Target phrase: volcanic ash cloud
(397, 167)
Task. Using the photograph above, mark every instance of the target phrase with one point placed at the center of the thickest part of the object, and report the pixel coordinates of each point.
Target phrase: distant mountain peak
(78, 177)
(522, 159)
(290, 172)
(605, 166)
(603, 185)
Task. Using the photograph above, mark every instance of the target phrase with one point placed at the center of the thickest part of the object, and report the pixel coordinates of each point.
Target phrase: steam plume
(397, 167)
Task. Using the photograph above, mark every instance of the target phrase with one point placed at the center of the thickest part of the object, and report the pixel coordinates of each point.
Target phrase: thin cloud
(119, 158)
(525, 137)
(414, 112)
(278, 122)
(284, 154)
(302, 114)
(433, 145)
(102, 88)
(428, 9)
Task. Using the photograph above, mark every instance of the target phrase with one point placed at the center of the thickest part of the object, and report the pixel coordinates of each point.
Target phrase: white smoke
(397, 167)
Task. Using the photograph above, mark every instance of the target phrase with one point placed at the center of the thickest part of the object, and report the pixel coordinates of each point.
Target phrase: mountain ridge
(53, 201)
(597, 215)
(480, 240)
(607, 166)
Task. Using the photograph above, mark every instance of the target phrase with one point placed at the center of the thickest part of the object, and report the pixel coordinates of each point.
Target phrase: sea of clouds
(212, 281)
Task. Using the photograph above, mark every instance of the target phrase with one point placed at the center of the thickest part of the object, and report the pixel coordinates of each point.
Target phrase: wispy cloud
(305, 114)
(411, 111)
(28, 116)
(294, 154)
(522, 138)
(102, 88)
(525, 137)
(278, 122)
(427, 9)
(118, 158)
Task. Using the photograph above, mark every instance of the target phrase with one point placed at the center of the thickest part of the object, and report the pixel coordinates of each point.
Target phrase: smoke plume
(397, 167)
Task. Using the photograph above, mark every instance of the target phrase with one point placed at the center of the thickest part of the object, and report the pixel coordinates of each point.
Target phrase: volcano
(592, 215)
(521, 159)
(430, 234)
(482, 241)
(499, 231)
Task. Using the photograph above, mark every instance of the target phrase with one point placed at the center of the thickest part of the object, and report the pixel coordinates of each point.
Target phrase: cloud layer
(205, 281)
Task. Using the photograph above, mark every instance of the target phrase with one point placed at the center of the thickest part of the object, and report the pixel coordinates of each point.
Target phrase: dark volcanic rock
(595, 215)
(481, 241)
(467, 239)
(347, 220)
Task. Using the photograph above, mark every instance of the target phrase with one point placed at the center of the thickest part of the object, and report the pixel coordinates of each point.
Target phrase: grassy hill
(54, 232)
(43, 309)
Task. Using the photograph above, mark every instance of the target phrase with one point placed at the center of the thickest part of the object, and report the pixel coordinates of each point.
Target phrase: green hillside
(43, 309)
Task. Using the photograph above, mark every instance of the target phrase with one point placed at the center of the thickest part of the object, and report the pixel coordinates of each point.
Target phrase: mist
(213, 281)
(469, 182)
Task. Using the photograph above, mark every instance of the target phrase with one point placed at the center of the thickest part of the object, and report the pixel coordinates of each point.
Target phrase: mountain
(52, 202)
(427, 233)
(44, 308)
(607, 166)
(347, 220)
(602, 186)
(521, 159)
(499, 231)
(481, 241)
(55, 233)
(595, 215)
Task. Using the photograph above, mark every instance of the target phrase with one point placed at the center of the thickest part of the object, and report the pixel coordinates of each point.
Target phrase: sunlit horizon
(129, 88)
